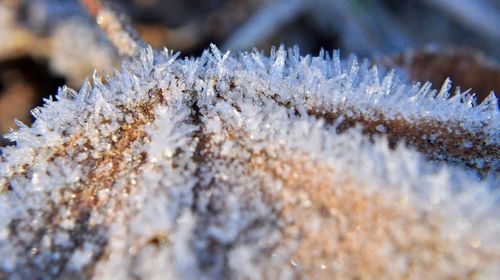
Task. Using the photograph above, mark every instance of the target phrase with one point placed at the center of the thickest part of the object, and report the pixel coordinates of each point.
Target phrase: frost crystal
(249, 166)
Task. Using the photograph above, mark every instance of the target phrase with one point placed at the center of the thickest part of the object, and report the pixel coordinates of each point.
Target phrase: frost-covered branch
(120, 33)
(478, 14)
(253, 167)
(92, 6)
(266, 22)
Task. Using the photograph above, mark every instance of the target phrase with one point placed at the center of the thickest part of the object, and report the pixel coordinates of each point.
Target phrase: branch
(92, 6)
(264, 24)
(483, 17)
(120, 33)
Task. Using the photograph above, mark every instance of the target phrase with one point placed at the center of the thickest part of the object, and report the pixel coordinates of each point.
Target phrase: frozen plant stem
(265, 23)
(92, 6)
(225, 167)
(246, 166)
(479, 15)
(121, 34)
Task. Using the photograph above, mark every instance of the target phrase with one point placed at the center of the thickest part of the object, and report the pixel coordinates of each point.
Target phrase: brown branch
(120, 33)
(92, 6)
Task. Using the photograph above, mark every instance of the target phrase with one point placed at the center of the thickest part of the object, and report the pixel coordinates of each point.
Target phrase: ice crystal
(242, 165)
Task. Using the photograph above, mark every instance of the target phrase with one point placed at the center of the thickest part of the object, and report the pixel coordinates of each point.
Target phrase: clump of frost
(221, 166)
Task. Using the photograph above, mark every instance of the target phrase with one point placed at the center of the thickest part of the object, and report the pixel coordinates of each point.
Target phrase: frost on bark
(246, 166)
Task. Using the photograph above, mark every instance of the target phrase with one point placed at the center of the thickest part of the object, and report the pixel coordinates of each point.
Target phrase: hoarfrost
(260, 167)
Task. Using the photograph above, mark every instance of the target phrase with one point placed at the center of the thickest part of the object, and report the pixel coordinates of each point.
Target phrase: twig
(480, 15)
(120, 33)
(265, 23)
(92, 6)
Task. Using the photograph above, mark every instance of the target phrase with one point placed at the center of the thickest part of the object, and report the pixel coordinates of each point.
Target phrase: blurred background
(45, 44)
